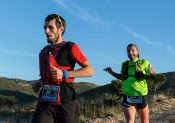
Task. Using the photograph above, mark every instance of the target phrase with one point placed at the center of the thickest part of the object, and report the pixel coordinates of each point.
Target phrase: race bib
(134, 99)
(51, 93)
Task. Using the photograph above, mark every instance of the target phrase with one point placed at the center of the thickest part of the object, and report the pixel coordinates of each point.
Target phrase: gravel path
(162, 111)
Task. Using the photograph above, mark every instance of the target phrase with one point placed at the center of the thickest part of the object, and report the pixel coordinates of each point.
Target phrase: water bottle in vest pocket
(53, 65)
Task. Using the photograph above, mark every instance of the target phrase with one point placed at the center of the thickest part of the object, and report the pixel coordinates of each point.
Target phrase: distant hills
(169, 84)
(81, 87)
(15, 85)
(25, 86)
(22, 90)
(165, 83)
(18, 88)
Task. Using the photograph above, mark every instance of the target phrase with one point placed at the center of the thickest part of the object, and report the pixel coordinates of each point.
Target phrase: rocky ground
(162, 111)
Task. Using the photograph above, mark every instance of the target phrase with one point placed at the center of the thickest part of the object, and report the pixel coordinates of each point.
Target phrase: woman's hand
(108, 69)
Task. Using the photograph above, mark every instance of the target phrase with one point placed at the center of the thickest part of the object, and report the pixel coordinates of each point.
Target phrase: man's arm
(86, 70)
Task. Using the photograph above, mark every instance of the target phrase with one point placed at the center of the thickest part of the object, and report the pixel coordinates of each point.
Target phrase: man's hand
(37, 86)
(56, 73)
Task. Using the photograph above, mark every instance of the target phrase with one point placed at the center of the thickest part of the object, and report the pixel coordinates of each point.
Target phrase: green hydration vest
(131, 85)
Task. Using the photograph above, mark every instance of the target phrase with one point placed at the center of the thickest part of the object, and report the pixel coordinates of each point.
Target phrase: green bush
(7, 100)
(154, 85)
(117, 86)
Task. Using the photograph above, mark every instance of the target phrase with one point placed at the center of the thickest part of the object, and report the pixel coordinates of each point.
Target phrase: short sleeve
(146, 65)
(77, 55)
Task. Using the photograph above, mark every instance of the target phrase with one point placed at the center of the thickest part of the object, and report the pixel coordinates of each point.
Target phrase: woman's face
(133, 53)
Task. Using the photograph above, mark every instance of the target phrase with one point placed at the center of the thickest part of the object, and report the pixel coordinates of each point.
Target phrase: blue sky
(102, 29)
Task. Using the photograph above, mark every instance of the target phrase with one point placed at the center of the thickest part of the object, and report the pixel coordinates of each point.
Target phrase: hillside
(19, 87)
(165, 82)
(12, 84)
(99, 104)
(169, 85)
(22, 90)
(161, 102)
(81, 87)
(162, 112)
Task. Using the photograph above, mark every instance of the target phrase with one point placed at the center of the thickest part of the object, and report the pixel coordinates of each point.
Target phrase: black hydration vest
(63, 58)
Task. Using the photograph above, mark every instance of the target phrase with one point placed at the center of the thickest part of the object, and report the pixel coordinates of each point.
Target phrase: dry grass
(100, 106)
(99, 110)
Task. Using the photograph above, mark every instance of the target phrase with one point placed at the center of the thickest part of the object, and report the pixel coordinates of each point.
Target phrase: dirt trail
(162, 111)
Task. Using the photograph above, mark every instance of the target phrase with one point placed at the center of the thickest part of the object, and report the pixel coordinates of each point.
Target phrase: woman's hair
(59, 21)
(133, 45)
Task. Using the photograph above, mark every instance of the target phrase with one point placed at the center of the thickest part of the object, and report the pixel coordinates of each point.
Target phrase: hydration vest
(60, 58)
(138, 67)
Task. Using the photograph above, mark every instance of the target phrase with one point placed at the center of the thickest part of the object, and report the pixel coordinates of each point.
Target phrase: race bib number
(134, 99)
(51, 93)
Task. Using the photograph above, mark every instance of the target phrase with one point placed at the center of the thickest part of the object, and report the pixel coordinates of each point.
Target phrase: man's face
(51, 31)
(132, 53)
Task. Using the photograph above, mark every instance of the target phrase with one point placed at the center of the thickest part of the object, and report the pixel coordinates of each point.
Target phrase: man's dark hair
(59, 21)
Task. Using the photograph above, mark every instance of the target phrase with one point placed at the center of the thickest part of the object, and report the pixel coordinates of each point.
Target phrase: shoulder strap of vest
(47, 48)
(69, 44)
(45, 51)
(42, 61)
(139, 64)
(125, 68)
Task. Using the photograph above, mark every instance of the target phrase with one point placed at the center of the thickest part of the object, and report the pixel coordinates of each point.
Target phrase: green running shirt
(132, 86)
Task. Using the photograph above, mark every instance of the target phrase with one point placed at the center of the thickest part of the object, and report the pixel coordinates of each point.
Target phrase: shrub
(154, 85)
(7, 100)
(117, 86)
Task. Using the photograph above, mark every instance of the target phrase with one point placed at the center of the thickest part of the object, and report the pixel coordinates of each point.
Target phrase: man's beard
(53, 40)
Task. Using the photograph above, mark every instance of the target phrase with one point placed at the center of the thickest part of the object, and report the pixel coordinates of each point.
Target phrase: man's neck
(59, 41)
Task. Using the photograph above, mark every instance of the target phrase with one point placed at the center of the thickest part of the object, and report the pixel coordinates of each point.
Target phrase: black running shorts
(137, 105)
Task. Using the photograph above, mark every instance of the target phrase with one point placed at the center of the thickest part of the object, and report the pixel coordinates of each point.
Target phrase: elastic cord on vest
(65, 74)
